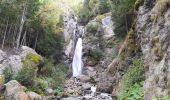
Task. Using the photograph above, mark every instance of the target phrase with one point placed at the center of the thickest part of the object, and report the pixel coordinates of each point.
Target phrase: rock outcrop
(153, 31)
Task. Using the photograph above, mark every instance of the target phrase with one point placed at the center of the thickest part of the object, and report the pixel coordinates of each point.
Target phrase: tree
(104, 6)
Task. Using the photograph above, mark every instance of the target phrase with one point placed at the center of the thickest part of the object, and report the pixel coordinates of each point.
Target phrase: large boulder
(14, 63)
(15, 91)
(14, 60)
(107, 26)
(24, 51)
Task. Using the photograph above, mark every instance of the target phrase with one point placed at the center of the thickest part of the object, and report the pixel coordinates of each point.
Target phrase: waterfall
(77, 59)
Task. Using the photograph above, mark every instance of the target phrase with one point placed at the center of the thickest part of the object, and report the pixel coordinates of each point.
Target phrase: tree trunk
(36, 41)
(24, 38)
(21, 26)
(5, 35)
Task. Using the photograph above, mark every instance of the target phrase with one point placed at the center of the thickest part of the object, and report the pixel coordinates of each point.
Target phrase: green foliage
(50, 43)
(8, 74)
(99, 18)
(84, 14)
(39, 86)
(104, 6)
(92, 27)
(34, 58)
(27, 73)
(96, 54)
(134, 92)
(122, 15)
(133, 76)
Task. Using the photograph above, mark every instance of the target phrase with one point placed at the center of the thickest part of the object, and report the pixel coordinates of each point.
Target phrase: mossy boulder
(92, 27)
(34, 58)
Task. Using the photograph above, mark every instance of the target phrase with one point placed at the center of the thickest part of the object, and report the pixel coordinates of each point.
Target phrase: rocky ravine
(94, 72)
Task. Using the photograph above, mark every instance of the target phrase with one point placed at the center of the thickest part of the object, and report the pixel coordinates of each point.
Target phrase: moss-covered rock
(92, 27)
(34, 58)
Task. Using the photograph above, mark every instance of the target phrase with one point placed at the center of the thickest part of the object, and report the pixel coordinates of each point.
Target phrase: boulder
(84, 78)
(15, 91)
(49, 91)
(24, 51)
(107, 26)
(34, 96)
(14, 63)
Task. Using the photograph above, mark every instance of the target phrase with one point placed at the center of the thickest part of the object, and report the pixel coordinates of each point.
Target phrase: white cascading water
(77, 59)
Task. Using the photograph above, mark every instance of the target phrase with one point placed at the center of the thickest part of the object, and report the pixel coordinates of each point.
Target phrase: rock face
(153, 30)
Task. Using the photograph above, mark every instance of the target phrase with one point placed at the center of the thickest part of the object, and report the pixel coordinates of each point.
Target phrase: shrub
(92, 27)
(134, 92)
(133, 76)
(8, 74)
(50, 43)
(104, 6)
(122, 15)
(96, 54)
(27, 74)
(84, 14)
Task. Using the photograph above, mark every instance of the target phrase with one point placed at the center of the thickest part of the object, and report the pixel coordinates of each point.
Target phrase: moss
(138, 3)
(34, 58)
(92, 27)
(99, 18)
(129, 46)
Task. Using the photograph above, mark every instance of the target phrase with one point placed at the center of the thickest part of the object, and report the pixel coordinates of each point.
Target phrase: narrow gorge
(84, 49)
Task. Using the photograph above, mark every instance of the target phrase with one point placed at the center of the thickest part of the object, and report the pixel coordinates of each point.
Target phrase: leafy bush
(92, 27)
(134, 92)
(96, 54)
(133, 76)
(122, 15)
(84, 14)
(104, 6)
(27, 74)
(8, 74)
(50, 42)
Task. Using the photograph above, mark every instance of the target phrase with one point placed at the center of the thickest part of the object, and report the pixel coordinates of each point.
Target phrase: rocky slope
(151, 32)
